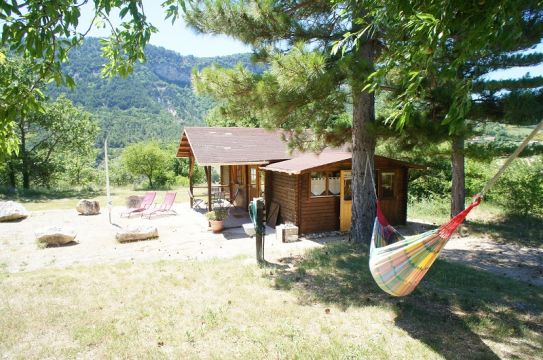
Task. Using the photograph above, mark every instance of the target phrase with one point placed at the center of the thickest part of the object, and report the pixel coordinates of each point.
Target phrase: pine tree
(436, 67)
(306, 86)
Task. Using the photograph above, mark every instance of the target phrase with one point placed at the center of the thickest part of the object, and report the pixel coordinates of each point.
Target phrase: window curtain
(334, 185)
(318, 186)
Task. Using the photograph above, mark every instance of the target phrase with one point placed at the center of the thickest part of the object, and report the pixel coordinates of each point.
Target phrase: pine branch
(515, 84)
(502, 61)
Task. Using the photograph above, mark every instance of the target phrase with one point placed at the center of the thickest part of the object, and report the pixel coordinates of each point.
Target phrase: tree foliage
(150, 160)
(520, 191)
(52, 143)
(43, 32)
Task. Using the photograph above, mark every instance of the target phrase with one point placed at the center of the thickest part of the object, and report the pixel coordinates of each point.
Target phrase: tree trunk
(11, 175)
(364, 140)
(24, 157)
(458, 190)
(25, 165)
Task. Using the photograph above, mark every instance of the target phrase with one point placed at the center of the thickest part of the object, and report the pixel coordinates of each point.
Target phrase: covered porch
(237, 155)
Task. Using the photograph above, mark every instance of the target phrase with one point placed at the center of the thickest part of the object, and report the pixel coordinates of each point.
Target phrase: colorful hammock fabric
(399, 263)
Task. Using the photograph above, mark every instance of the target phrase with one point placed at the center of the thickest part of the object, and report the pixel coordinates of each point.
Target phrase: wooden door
(254, 182)
(345, 203)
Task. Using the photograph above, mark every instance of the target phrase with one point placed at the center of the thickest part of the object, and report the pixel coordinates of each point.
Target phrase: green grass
(50, 199)
(326, 306)
(486, 219)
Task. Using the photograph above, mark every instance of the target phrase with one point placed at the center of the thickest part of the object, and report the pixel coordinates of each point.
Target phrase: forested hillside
(156, 101)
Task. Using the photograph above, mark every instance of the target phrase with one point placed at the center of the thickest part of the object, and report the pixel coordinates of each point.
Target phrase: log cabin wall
(319, 213)
(282, 189)
(393, 202)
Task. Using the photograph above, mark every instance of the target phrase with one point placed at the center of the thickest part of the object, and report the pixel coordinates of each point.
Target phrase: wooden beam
(191, 168)
(208, 174)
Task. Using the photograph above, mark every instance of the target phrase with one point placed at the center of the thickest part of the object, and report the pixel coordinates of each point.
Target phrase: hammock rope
(399, 263)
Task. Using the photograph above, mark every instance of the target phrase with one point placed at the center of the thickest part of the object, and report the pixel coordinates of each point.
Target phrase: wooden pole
(108, 193)
(208, 174)
(191, 170)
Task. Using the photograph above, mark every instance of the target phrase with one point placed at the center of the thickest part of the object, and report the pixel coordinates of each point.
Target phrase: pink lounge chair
(165, 207)
(143, 206)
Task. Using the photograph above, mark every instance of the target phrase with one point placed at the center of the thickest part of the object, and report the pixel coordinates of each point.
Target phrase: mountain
(155, 101)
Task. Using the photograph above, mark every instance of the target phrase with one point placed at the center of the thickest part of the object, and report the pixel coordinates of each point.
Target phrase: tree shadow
(441, 312)
(526, 230)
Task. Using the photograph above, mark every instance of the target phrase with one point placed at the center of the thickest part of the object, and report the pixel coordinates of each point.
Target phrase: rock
(137, 232)
(55, 235)
(11, 211)
(133, 201)
(88, 207)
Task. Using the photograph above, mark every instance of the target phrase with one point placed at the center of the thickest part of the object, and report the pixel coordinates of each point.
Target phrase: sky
(175, 37)
(178, 37)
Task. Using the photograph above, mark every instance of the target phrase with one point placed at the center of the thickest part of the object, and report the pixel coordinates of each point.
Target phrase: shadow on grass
(451, 311)
(523, 230)
(43, 195)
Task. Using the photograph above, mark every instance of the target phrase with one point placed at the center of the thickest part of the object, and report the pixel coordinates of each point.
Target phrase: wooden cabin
(311, 191)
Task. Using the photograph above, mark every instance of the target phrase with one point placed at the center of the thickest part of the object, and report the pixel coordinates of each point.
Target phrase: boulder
(11, 211)
(133, 201)
(55, 235)
(88, 207)
(137, 232)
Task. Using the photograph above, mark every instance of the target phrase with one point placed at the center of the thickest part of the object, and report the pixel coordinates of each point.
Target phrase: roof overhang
(232, 146)
(314, 162)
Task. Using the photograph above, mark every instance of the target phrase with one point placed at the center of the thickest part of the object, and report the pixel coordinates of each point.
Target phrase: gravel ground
(186, 236)
(182, 236)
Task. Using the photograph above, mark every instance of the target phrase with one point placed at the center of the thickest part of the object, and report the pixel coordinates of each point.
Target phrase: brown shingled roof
(213, 146)
(237, 146)
(308, 161)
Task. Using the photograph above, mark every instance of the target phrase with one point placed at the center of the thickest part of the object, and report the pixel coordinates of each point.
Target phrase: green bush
(182, 181)
(520, 191)
(477, 175)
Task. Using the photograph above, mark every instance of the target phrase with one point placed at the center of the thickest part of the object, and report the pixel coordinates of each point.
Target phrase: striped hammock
(399, 263)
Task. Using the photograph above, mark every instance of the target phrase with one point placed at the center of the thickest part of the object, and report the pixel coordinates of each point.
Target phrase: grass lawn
(326, 306)
(486, 219)
(39, 200)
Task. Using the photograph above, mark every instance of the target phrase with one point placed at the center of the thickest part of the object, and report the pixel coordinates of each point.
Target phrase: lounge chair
(144, 205)
(196, 203)
(164, 208)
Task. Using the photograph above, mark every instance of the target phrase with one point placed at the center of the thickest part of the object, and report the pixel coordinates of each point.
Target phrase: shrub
(520, 191)
(217, 214)
(477, 175)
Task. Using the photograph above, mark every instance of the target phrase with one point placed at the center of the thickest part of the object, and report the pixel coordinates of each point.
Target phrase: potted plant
(216, 218)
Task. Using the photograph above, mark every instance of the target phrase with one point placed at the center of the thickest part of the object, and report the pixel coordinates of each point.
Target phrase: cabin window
(252, 174)
(325, 184)
(387, 185)
(348, 188)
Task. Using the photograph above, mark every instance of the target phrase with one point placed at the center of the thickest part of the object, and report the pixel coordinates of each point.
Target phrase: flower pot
(216, 225)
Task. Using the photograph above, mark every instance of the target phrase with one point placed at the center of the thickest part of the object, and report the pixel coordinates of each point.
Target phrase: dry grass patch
(41, 200)
(325, 307)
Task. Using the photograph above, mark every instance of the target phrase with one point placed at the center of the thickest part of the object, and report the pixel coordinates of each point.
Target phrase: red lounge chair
(145, 204)
(165, 207)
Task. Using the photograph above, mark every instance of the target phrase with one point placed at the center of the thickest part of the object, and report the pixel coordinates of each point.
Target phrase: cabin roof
(233, 146)
(255, 146)
(308, 161)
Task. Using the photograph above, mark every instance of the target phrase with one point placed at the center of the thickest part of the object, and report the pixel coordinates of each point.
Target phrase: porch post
(208, 174)
(191, 170)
